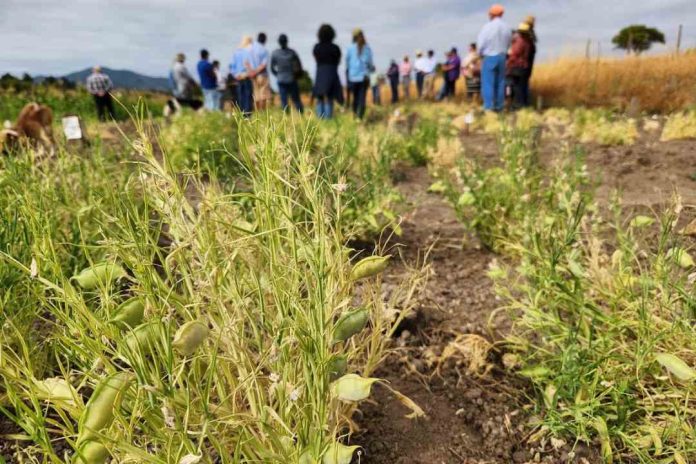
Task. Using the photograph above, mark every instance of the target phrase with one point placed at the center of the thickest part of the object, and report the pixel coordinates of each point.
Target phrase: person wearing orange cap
(493, 43)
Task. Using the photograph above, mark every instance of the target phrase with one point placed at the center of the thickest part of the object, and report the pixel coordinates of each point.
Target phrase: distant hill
(122, 79)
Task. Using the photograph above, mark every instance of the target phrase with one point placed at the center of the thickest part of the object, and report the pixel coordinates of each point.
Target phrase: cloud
(49, 37)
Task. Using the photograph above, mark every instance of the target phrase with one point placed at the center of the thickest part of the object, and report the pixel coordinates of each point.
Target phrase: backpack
(297, 70)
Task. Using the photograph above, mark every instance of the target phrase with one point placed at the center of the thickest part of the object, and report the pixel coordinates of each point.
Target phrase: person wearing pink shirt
(405, 74)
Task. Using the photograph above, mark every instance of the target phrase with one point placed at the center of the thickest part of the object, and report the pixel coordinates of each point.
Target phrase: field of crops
(406, 289)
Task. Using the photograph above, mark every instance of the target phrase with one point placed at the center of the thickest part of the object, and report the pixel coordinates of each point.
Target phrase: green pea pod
(129, 314)
(91, 452)
(349, 324)
(99, 412)
(189, 337)
(105, 273)
(144, 337)
(337, 366)
(369, 267)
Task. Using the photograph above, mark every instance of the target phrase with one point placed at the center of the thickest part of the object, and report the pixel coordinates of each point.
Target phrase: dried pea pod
(105, 273)
(189, 337)
(91, 452)
(349, 324)
(369, 267)
(99, 412)
(676, 366)
(129, 314)
(339, 454)
(352, 387)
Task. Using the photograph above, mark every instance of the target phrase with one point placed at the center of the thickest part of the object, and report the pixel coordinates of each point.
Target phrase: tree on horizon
(637, 38)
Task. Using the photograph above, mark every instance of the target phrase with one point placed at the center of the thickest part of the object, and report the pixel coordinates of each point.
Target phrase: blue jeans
(325, 107)
(209, 99)
(245, 96)
(292, 90)
(493, 82)
(217, 99)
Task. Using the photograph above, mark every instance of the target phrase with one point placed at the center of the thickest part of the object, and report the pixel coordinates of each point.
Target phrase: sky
(59, 37)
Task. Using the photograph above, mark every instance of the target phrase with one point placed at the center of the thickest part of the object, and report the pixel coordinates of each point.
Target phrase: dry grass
(661, 83)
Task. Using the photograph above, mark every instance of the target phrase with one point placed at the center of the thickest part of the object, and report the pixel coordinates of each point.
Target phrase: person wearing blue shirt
(206, 75)
(493, 43)
(359, 65)
(241, 69)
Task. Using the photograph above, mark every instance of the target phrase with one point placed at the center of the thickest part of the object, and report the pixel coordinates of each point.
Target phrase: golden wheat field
(659, 83)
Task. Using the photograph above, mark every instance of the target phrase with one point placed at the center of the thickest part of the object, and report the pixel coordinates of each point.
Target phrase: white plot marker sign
(72, 128)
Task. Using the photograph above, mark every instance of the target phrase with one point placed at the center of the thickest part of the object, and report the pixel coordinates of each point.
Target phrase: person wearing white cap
(430, 65)
(420, 65)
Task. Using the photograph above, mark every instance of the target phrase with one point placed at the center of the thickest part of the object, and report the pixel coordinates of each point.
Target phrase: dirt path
(467, 417)
(472, 419)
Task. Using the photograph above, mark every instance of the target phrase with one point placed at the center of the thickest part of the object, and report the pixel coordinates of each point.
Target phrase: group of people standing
(507, 60)
(499, 64)
(501, 59)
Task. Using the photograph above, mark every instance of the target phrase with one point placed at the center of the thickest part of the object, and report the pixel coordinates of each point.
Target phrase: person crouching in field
(99, 85)
(287, 67)
(493, 43)
(327, 84)
(518, 66)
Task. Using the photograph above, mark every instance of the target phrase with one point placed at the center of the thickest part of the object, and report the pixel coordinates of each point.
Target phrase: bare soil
(472, 418)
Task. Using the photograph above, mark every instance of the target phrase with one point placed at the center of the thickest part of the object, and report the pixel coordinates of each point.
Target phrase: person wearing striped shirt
(99, 85)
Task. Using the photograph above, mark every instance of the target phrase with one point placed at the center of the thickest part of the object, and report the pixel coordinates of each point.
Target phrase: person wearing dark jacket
(327, 84)
(287, 67)
(393, 76)
(532, 55)
(517, 65)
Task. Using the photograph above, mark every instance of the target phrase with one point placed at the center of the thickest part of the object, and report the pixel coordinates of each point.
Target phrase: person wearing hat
(405, 74)
(359, 65)
(452, 71)
(531, 20)
(429, 79)
(241, 69)
(99, 85)
(493, 43)
(421, 66)
(518, 65)
(287, 68)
